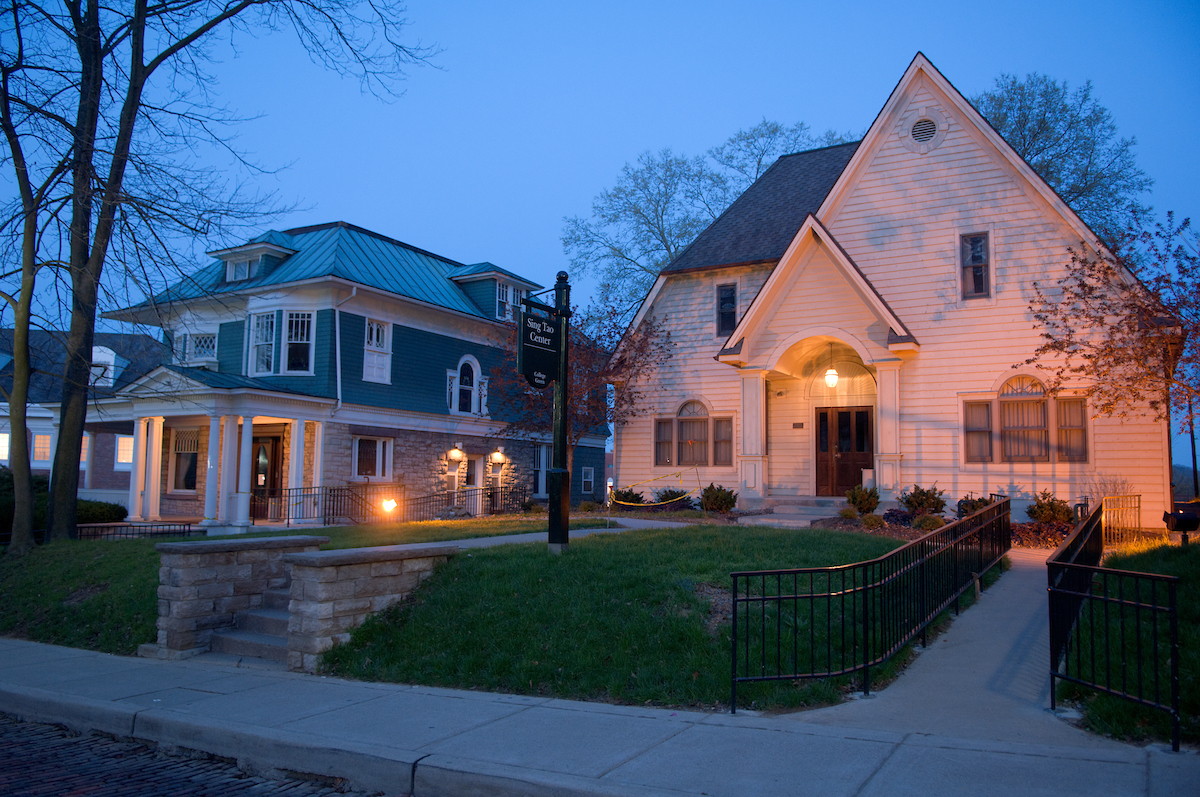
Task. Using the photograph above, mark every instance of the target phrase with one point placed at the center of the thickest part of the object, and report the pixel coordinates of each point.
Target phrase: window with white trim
(1032, 426)
(298, 354)
(372, 458)
(262, 351)
(726, 309)
(508, 298)
(4, 443)
(588, 477)
(203, 347)
(377, 352)
(41, 448)
(692, 438)
(185, 456)
(466, 388)
(541, 471)
(976, 266)
(86, 443)
(123, 458)
(179, 346)
(236, 270)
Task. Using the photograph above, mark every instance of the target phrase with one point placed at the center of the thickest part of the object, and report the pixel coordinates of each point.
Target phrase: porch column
(296, 472)
(887, 455)
(154, 439)
(90, 463)
(212, 471)
(242, 518)
(318, 466)
(137, 469)
(753, 459)
(226, 506)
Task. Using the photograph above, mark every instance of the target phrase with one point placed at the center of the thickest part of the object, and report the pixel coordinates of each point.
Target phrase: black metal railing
(372, 503)
(474, 501)
(117, 531)
(1115, 631)
(822, 622)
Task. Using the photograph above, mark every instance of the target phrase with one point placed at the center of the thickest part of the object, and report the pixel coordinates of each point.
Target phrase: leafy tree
(101, 108)
(1127, 324)
(602, 388)
(663, 201)
(1071, 140)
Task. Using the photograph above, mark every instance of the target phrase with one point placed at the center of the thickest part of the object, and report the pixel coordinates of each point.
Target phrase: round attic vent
(924, 130)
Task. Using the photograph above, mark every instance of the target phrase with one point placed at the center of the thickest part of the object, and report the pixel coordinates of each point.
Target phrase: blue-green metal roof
(350, 253)
(487, 268)
(224, 381)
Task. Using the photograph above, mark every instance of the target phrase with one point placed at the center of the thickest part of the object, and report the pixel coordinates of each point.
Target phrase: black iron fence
(827, 621)
(1115, 631)
(475, 501)
(117, 531)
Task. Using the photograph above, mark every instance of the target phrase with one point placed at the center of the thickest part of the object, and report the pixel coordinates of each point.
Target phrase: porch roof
(220, 381)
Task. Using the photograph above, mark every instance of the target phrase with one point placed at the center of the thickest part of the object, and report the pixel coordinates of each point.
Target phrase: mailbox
(1182, 521)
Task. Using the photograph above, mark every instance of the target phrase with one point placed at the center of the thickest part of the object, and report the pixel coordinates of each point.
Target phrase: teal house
(322, 357)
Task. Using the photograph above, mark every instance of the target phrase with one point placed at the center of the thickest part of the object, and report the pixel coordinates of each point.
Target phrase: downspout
(337, 345)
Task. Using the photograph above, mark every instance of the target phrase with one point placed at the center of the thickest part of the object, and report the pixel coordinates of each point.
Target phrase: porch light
(498, 456)
(831, 376)
(456, 454)
(389, 505)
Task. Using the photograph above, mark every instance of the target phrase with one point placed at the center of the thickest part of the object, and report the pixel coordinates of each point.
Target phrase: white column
(296, 468)
(226, 501)
(137, 470)
(888, 455)
(318, 466)
(154, 439)
(212, 471)
(242, 518)
(753, 459)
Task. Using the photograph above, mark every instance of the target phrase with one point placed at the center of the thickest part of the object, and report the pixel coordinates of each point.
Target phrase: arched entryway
(821, 419)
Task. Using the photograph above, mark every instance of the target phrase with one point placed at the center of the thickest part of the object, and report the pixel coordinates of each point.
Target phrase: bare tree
(603, 389)
(660, 204)
(1127, 324)
(100, 151)
(1071, 140)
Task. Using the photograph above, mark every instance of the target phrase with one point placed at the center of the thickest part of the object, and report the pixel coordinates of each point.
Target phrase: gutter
(337, 345)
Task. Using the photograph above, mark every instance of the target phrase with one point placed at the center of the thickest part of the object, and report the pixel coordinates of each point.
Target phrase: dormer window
(106, 367)
(507, 299)
(236, 270)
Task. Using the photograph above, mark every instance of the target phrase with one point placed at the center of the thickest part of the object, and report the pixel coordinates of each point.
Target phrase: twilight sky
(533, 107)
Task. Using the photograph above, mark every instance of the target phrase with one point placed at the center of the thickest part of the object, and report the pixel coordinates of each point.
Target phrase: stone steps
(273, 622)
(237, 642)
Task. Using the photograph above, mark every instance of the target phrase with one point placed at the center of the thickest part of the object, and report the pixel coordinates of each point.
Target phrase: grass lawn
(102, 595)
(617, 619)
(1123, 719)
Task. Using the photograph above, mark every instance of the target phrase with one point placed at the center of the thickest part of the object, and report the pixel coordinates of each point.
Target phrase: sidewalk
(966, 716)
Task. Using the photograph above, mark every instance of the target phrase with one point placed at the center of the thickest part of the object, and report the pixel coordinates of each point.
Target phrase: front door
(265, 478)
(845, 447)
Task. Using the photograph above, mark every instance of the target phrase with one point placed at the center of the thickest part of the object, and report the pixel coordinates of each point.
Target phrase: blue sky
(532, 108)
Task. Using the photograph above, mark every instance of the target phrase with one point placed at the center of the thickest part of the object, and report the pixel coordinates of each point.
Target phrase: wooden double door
(845, 442)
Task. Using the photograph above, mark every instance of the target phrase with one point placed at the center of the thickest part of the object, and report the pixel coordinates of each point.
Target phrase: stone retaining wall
(334, 591)
(202, 585)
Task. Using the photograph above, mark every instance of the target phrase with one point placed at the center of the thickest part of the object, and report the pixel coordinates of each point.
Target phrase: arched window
(688, 433)
(1024, 427)
(693, 434)
(466, 388)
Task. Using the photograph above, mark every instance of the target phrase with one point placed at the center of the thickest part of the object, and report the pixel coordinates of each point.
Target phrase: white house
(905, 264)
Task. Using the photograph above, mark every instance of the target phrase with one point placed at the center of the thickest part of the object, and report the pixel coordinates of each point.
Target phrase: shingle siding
(483, 294)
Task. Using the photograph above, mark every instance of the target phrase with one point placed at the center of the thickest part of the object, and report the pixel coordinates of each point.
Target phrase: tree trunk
(18, 456)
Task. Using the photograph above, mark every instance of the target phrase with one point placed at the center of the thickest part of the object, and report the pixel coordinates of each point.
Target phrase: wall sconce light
(498, 456)
(831, 376)
(456, 454)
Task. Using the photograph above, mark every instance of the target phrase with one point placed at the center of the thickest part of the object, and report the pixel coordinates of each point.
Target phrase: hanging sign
(538, 344)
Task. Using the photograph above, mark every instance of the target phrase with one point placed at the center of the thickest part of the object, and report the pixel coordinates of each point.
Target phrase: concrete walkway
(967, 716)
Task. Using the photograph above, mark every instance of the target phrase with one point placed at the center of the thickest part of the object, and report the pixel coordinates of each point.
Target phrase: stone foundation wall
(334, 591)
(202, 585)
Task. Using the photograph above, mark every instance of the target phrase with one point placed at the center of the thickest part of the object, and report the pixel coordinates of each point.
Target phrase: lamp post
(560, 476)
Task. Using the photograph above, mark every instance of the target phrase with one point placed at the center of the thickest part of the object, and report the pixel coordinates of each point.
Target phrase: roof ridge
(345, 225)
(817, 149)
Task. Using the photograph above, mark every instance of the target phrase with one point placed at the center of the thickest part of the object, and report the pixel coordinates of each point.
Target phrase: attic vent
(924, 130)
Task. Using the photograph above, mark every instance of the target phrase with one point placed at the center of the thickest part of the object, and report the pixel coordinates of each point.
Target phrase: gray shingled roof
(760, 224)
(48, 355)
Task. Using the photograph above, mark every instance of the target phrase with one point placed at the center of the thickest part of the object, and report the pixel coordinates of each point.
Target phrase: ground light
(389, 505)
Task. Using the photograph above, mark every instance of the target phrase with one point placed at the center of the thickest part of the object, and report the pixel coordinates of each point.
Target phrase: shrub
(865, 501)
(924, 502)
(99, 512)
(587, 506)
(897, 517)
(620, 497)
(929, 522)
(970, 505)
(872, 522)
(672, 499)
(1048, 509)
(715, 498)
(848, 512)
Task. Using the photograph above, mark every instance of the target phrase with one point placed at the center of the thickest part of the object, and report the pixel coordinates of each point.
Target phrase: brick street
(49, 761)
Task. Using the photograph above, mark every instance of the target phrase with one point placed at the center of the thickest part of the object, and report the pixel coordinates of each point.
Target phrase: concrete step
(276, 599)
(250, 643)
(780, 521)
(273, 622)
